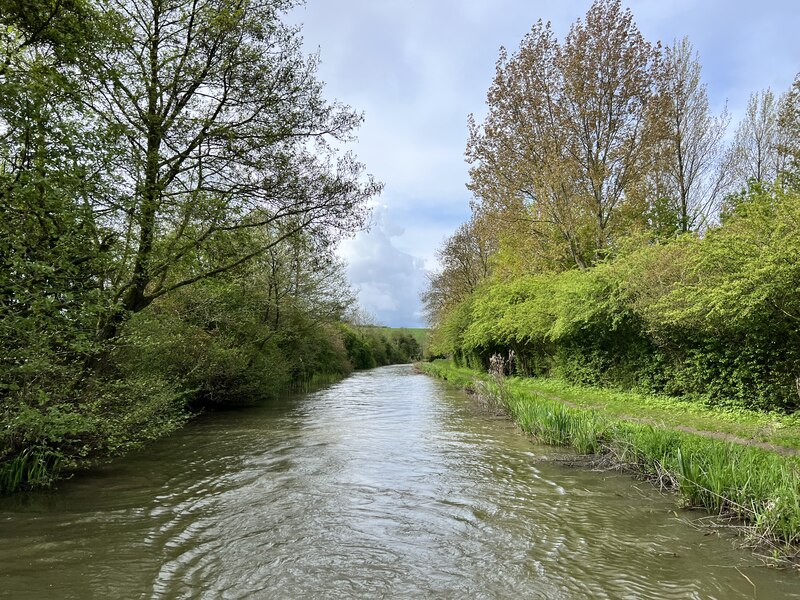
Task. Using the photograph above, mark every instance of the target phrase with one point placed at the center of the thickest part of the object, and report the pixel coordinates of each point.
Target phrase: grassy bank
(710, 457)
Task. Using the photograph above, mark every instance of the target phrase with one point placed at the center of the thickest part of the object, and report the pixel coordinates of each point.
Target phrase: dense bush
(370, 346)
(712, 317)
(215, 345)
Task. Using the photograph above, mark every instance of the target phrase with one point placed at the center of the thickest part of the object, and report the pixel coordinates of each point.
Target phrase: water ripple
(385, 485)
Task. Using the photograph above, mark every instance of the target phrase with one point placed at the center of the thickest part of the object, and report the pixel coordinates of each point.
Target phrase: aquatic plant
(31, 467)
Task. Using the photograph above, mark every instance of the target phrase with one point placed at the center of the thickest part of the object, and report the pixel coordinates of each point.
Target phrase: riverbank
(743, 466)
(154, 385)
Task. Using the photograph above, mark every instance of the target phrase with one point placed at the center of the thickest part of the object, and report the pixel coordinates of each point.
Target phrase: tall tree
(562, 152)
(517, 157)
(689, 173)
(789, 133)
(223, 128)
(755, 153)
(607, 68)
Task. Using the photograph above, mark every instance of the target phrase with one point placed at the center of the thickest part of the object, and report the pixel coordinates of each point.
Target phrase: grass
(663, 411)
(772, 428)
(31, 468)
(749, 484)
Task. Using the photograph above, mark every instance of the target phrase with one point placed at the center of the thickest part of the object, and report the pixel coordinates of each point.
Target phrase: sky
(418, 68)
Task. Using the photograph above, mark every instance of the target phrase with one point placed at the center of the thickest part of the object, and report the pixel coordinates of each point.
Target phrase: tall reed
(30, 468)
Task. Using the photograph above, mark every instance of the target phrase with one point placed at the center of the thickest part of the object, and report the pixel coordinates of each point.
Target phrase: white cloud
(388, 280)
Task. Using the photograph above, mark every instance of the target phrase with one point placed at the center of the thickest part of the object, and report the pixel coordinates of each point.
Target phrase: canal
(388, 484)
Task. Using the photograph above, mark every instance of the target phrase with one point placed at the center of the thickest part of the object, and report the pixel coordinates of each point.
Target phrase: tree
(51, 259)
(160, 154)
(688, 172)
(222, 128)
(464, 258)
(563, 151)
(607, 69)
(789, 133)
(755, 153)
(517, 157)
(302, 276)
(248, 332)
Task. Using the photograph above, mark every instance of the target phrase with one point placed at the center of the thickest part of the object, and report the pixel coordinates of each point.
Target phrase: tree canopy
(626, 241)
(173, 182)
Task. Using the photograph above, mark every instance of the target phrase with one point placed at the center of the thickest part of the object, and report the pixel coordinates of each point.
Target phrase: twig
(755, 594)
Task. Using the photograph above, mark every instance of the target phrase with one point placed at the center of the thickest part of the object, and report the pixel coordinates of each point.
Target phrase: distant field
(418, 333)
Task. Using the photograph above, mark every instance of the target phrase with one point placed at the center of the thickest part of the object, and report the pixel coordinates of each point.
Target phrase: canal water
(388, 484)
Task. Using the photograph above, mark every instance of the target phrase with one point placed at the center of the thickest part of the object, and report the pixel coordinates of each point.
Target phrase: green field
(418, 333)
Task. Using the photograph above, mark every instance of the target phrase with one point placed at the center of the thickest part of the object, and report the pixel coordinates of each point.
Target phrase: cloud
(388, 280)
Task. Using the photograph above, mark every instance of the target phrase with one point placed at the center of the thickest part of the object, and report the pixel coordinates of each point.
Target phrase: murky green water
(386, 485)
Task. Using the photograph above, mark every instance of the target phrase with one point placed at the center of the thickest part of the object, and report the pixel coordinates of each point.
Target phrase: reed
(31, 468)
(316, 381)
